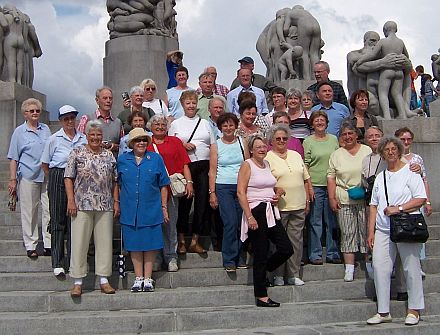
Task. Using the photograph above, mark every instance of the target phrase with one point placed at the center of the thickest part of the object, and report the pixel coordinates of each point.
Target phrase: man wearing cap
(173, 62)
(257, 80)
(219, 89)
(112, 129)
(53, 162)
(322, 70)
(244, 77)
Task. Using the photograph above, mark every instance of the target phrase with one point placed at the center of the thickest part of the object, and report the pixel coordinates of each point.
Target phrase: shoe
(268, 303)
(402, 296)
(172, 265)
(411, 319)
(32, 254)
(59, 273)
(348, 276)
(149, 285)
(76, 291)
(243, 266)
(138, 284)
(423, 274)
(295, 281)
(333, 261)
(316, 262)
(47, 252)
(377, 319)
(196, 248)
(278, 281)
(181, 248)
(107, 289)
(230, 268)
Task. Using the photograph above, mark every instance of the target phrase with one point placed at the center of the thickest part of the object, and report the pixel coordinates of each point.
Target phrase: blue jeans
(319, 207)
(230, 212)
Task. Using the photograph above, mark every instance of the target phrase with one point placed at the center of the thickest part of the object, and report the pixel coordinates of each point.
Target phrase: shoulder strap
(157, 151)
(160, 103)
(385, 184)
(195, 128)
(241, 147)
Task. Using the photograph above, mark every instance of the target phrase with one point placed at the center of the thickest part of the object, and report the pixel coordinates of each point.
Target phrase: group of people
(269, 175)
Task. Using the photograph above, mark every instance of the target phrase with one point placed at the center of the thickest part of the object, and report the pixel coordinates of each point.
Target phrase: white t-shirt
(157, 105)
(202, 139)
(402, 186)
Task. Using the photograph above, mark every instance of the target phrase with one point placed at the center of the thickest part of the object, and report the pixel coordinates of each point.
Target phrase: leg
(81, 232)
(384, 254)
(201, 197)
(293, 222)
(103, 236)
(400, 275)
(45, 215)
(315, 233)
(170, 232)
(148, 260)
(137, 258)
(29, 199)
(347, 224)
(330, 219)
(385, 78)
(231, 218)
(284, 250)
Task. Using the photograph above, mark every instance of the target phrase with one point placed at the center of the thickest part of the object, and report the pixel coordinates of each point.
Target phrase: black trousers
(199, 173)
(260, 244)
(59, 220)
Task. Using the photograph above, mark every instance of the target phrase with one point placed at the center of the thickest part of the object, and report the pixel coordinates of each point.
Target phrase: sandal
(32, 254)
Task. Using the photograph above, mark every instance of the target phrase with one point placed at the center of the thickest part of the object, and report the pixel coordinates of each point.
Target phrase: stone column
(130, 59)
(12, 96)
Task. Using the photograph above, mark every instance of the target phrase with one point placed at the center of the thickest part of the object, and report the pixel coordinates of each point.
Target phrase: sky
(73, 33)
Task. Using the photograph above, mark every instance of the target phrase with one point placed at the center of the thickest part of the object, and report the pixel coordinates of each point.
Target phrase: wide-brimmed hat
(137, 133)
(66, 109)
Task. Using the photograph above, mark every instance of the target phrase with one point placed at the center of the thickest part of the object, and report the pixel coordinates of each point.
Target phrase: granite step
(199, 318)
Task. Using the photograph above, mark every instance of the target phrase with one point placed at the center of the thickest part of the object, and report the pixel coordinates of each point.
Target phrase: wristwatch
(400, 209)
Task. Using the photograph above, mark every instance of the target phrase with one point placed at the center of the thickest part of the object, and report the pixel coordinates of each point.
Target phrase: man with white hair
(219, 89)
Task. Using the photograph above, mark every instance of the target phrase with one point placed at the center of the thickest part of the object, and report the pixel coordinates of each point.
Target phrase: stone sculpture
(436, 66)
(141, 17)
(290, 45)
(382, 67)
(19, 45)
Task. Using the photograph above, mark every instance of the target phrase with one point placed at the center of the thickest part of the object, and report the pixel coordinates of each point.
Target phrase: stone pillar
(299, 84)
(130, 59)
(12, 96)
(426, 144)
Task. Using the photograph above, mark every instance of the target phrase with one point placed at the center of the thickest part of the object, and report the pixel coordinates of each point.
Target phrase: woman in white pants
(406, 193)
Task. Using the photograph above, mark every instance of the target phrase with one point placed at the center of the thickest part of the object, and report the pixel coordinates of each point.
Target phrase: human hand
(213, 200)
(71, 208)
(189, 190)
(12, 186)
(116, 209)
(166, 218)
(428, 209)
(252, 223)
(189, 146)
(370, 241)
(414, 167)
(334, 204)
(391, 210)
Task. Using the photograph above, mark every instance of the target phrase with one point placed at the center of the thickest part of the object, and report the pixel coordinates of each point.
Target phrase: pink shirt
(260, 189)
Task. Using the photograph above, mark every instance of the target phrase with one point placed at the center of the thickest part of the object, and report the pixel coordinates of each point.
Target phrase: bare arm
(428, 207)
(116, 202)
(371, 225)
(213, 159)
(12, 187)
(242, 184)
(189, 186)
(71, 205)
(164, 201)
(331, 188)
(45, 168)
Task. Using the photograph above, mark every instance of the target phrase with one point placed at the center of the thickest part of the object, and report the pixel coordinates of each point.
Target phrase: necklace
(261, 166)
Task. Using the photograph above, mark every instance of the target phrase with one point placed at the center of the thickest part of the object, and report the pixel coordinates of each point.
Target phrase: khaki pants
(31, 195)
(83, 225)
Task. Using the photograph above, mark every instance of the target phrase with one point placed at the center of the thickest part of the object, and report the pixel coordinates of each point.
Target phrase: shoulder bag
(406, 227)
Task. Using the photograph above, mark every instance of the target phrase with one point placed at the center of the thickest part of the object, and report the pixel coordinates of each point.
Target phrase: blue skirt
(142, 238)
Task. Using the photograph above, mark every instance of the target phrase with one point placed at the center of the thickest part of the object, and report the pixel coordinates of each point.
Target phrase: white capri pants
(384, 255)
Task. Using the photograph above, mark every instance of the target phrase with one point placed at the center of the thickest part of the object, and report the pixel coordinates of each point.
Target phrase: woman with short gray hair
(299, 119)
(150, 101)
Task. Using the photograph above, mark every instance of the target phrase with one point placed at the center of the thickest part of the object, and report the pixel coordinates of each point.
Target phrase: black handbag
(405, 227)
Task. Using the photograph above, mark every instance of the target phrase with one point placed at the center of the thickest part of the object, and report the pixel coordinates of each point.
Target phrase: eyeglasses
(34, 111)
(139, 140)
(279, 139)
(150, 89)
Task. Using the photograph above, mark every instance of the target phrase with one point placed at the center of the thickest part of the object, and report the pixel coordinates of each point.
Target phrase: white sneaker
(295, 281)
(411, 319)
(348, 276)
(377, 319)
(172, 265)
(137, 285)
(423, 274)
(59, 272)
(148, 285)
(278, 281)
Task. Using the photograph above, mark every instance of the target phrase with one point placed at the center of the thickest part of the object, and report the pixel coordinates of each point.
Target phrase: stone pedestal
(426, 144)
(130, 59)
(434, 108)
(12, 96)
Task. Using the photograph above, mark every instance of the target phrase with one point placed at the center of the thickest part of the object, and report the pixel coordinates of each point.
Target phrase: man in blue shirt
(336, 112)
(244, 77)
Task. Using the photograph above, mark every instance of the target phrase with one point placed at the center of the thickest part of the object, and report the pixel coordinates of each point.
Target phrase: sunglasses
(150, 89)
(34, 111)
(139, 140)
(279, 139)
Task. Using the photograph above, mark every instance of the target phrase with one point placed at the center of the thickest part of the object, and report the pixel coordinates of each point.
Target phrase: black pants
(59, 220)
(199, 173)
(260, 244)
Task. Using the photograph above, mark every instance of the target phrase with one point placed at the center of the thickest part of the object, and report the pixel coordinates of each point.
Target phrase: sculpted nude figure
(3, 29)
(13, 45)
(391, 81)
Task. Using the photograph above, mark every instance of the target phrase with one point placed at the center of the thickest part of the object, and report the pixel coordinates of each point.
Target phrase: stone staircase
(201, 298)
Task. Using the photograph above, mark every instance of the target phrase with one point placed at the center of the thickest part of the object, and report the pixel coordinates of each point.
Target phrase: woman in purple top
(293, 143)
(258, 198)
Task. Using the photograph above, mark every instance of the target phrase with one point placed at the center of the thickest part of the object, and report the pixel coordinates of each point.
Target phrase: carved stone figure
(386, 69)
(436, 66)
(141, 17)
(283, 37)
(19, 46)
